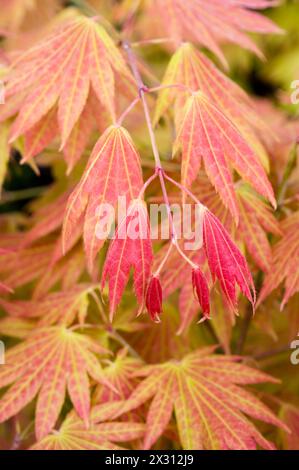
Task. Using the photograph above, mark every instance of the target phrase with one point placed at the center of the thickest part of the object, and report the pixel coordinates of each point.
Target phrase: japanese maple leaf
(16, 15)
(289, 414)
(21, 267)
(188, 306)
(130, 248)
(206, 132)
(211, 23)
(102, 434)
(192, 69)
(65, 270)
(60, 308)
(47, 219)
(37, 263)
(113, 171)
(82, 61)
(255, 221)
(121, 374)
(14, 11)
(18, 328)
(52, 361)
(204, 392)
(285, 262)
(226, 262)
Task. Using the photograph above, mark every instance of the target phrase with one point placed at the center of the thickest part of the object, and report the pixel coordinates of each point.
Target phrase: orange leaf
(211, 23)
(50, 361)
(101, 435)
(284, 266)
(50, 83)
(204, 391)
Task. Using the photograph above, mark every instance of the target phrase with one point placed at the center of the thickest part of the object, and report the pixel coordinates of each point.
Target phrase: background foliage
(72, 379)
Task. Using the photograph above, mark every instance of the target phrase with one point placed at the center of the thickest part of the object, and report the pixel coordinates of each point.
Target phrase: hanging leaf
(205, 132)
(191, 69)
(113, 171)
(226, 261)
(131, 247)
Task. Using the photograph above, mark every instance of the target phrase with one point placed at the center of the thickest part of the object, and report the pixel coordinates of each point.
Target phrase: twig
(117, 337)
(247, 318)
(244, 330)
(272, 353)
(142, 90)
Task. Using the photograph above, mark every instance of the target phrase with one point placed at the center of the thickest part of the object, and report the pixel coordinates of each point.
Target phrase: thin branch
(128, 110)
(142, 89)
(272, 353)
(244, 330)
(117, 337)
(150, 42)
(245, 326)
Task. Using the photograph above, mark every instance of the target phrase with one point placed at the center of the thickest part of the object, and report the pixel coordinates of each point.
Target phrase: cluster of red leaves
(145, 381)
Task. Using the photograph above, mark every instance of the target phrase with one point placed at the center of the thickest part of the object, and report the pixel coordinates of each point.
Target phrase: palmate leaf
(113, 171)
(44, 264)
(289, 414)
(102, 434)
(21, 267)
(130, 248)
(121, 374)
(226, 262)
(50, 362)
(48, 218)
(206, 132)
(192, 69)
(256, 219)
(204, 391)
(285, 262)
(65, 270)
(18, 328)
(82, 61)
(211, 23)
(14, 12)
(60, 308)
